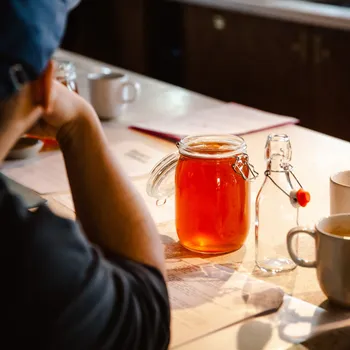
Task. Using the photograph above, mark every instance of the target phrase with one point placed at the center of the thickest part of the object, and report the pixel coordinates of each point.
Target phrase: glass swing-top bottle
(277, 207)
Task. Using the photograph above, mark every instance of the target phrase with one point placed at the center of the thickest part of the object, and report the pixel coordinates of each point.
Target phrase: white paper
(137, 158)
(44, 174)
(206, 297)
(65, 199)
(230, 118)
(161, 212)
(47, 173)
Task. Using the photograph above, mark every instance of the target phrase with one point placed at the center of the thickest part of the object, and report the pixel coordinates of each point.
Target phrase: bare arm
(110, 210)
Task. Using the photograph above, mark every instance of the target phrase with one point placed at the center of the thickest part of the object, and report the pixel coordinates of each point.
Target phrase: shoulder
(39, 234)
(80, 297)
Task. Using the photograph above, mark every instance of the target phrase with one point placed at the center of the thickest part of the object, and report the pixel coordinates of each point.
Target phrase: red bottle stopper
(299, 198)
(303, 197)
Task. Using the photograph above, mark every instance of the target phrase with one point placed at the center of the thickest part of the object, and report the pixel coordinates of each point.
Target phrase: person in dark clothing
(99, 284)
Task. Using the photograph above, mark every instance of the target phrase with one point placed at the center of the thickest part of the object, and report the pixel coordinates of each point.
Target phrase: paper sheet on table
(47, 174)
(136, 158)
(230, 118)
(160, 213)
(44, 174)
(206, 297)
(65, 199)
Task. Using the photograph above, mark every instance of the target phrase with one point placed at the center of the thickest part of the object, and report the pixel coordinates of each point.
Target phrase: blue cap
(30, 32)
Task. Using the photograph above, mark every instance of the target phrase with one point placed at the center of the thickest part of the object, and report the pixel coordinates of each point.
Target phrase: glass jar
(65, 73)
(212, 191)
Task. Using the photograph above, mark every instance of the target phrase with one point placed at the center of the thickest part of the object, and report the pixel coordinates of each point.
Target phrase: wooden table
(315, 158)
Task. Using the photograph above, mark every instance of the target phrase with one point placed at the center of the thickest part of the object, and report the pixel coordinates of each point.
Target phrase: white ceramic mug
(332, 240)
(340, 192)
(111, 92)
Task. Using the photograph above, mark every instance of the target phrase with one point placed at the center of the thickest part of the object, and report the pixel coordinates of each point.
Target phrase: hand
(65, 107)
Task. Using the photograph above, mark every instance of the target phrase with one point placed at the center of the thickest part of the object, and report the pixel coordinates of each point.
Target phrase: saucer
(26, 147)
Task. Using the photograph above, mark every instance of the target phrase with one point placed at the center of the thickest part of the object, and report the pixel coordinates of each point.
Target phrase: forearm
(110, 210)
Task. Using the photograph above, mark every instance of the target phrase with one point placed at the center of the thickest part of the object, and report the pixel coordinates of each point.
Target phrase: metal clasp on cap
(240, 163)
(297, 197)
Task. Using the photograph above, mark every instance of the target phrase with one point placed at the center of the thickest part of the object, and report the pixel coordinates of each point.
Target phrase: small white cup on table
(111, 92)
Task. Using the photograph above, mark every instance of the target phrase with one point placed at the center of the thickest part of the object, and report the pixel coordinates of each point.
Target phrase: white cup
(340, 193)
(332, 262)
(111, 92)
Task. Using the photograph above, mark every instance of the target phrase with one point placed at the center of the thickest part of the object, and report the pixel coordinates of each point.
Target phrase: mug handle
(135, 87)
(293, 232)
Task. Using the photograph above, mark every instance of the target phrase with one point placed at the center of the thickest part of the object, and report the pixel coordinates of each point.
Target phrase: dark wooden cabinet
(115, 32)
(144, 36)
(246, 59)
(90, 31)
(277, 66)
(331, 82)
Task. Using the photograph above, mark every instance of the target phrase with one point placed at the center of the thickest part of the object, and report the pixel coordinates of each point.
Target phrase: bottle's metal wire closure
(288, 170)
(241, 162)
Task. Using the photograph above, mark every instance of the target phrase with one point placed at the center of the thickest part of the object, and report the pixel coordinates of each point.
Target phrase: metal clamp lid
(241, 162)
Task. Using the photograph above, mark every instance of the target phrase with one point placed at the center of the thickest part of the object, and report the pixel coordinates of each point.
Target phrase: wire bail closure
(297, 197)
(241, 162)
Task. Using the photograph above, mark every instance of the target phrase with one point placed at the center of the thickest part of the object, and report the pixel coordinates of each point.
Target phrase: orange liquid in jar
(212, 203)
